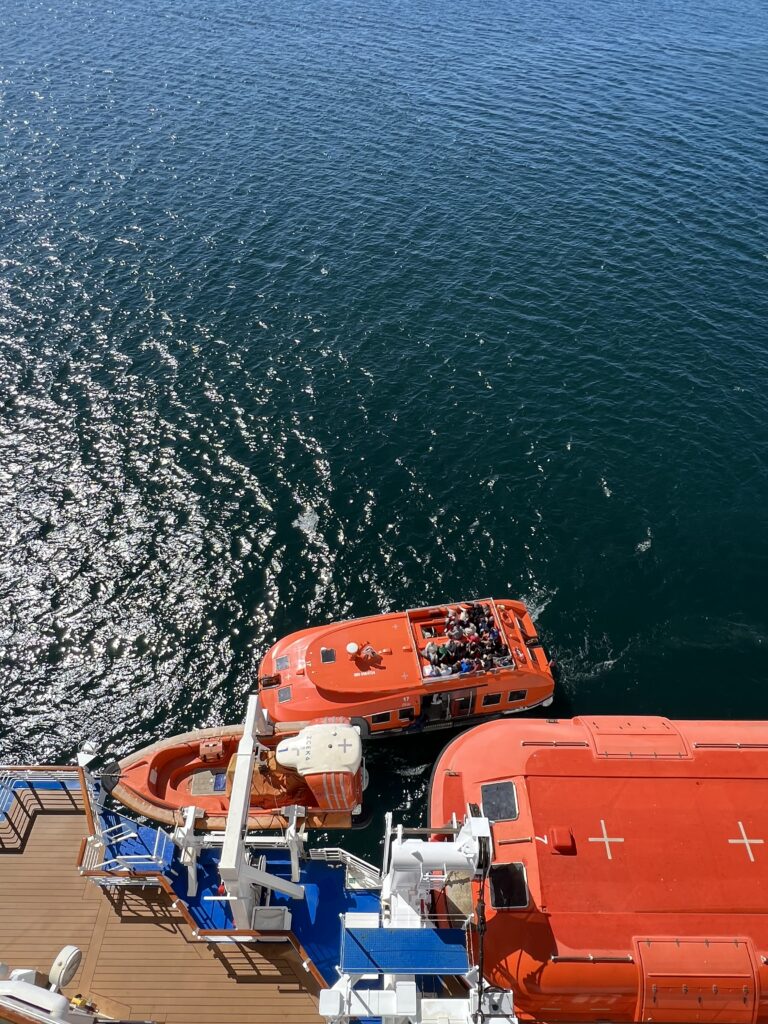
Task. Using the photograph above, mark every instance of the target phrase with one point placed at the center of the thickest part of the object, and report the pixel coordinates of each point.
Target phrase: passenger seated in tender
(474, 643)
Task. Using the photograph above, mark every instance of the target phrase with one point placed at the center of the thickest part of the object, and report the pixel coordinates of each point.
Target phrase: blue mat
(404, 951)
(316, 919)
(140, 846)
(214, 915)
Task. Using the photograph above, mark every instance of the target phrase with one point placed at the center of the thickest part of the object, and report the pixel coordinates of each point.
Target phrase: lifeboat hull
(629, 870)
(423, 669)
(194, 768)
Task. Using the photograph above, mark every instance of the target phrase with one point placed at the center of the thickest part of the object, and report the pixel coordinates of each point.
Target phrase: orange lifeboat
(427, 668)
(629, 871)
(319, 768)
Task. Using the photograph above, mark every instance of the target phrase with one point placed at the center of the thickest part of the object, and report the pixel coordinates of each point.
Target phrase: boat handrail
(729, 746)
(449, 604)
(590, 958)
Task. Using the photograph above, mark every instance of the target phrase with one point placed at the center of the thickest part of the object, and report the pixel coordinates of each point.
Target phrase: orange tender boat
(393, 672)
(319, 768)
(629, 874)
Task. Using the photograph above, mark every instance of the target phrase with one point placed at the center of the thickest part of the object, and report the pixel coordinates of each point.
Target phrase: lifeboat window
(463, 704)
(499, 801)
(284, 694)
(383, 716)
(281, 664)
(509, 887)
(516, 695)
(327, 655)
(489, 699)
(405, 714)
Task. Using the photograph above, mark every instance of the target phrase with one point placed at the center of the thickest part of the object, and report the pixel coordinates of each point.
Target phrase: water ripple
(314, 311)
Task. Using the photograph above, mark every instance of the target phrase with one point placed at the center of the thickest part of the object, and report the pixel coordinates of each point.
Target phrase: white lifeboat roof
(329, 747)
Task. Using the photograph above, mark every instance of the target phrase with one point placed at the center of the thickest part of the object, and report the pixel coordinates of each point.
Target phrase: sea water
(314, 310)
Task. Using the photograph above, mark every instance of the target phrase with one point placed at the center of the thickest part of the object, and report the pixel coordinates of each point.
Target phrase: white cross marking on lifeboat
(747, 842)
(345, 745)
(605, 838)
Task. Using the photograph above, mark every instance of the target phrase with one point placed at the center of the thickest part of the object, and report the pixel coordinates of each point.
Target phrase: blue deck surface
(317, 920)
(213, 915)
(404, 951)
(140, 847)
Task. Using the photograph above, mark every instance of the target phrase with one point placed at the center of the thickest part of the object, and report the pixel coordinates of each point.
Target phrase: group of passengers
(474, 644)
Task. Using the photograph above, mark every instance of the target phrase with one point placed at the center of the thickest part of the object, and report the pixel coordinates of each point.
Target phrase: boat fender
(362, 727)
(362, 820)
(109, 776)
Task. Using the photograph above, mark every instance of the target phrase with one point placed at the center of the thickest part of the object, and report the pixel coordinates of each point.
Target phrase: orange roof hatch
(635, 737)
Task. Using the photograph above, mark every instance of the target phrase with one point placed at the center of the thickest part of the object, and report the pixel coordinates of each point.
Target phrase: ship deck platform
(140, 958)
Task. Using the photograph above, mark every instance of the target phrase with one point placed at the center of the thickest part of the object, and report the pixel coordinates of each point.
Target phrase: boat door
(693, 979)
(436, 707)
(462, 703)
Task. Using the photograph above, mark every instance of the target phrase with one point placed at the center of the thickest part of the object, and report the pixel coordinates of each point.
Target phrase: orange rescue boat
(427, 668)
(629, 871)
(319, 768)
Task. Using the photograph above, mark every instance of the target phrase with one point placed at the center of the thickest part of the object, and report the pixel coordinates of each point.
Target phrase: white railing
(154, 858)
(38, 774)
(11, 792)
(114, 835)
(124, 829)
(109, 877)
(8, 778)
(360, 874)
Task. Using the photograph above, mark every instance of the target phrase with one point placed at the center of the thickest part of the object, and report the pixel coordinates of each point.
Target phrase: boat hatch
(686, 979)
(207, 783)
(646, 737)
(509, 886)
(499, 801)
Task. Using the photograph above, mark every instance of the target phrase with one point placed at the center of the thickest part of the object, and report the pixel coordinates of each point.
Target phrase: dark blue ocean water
(315, 310)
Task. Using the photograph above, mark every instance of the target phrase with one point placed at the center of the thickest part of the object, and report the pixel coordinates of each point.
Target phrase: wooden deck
(139, 960)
